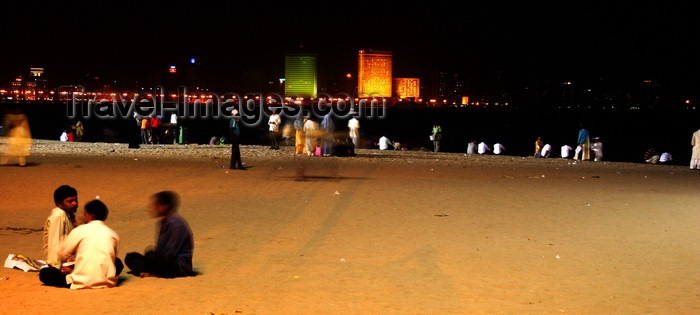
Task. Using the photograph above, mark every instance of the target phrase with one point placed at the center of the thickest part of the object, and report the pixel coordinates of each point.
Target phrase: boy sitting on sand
(94, 246)
(59, 223)
(172, 256)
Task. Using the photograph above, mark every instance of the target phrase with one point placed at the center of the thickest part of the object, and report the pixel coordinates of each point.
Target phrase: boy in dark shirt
(172, 256)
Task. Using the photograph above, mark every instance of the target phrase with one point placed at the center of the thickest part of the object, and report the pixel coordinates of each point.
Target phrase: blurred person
(498, 148)
(652, 156)
(437, 137)
(310, 136)
(64, 136)
(471, 147)
(327, 139)
(156, 129)
(354, 130)
(299, 146)
(695, 158)
(274, 129)
(597, 149)
(538, 146)
(385, 143)
(483, 148)
(79, 131)
(172, 256)
(665, 158)
(565, 151)
(144, 130)
(16, 127)
(133, 130)
(59, 223)
(94, 246)
(546, 151)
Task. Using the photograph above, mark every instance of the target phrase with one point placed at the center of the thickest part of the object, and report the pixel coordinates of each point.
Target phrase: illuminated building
(407, 88)
(374, 74)
(300, 75)
(33, 88)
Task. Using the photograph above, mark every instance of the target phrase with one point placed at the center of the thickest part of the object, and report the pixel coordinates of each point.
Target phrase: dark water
(625, 134)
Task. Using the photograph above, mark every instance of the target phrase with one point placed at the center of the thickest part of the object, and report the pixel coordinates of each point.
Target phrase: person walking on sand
(695, 158)
(16, 126)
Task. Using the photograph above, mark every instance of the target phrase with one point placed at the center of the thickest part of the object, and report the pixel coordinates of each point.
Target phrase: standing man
(354, 127)
(172, 256)
(437, 137)
(327, 139)
(695, 158)
(59, 223)
(584, 142)
(310, 136)
(274, 123)
(235, 133)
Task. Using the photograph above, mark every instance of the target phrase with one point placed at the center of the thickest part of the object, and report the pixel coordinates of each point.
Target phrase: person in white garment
(695, 158)
(385, 143)
(274, 129)
(546, 150)
(94, 246)
(665, 158)
(565, 151)
(482, 148)
(354, 131)
(498, 148)
(597, 148)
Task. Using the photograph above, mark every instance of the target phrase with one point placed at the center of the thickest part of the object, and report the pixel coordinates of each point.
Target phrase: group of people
(583, 151)
(318, 139)
(82, 254)
(483, 148)
(73, 133)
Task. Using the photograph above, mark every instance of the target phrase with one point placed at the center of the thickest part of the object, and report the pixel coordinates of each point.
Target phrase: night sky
(244, 44)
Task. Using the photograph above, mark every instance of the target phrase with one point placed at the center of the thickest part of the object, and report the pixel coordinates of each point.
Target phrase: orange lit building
(407, 88)
(33, 88)
(374, 74)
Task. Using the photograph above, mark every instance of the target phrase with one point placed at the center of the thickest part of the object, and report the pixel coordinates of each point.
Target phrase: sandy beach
(384, 232)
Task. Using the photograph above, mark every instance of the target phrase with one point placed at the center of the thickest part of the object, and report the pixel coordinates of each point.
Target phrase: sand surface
(384, 232)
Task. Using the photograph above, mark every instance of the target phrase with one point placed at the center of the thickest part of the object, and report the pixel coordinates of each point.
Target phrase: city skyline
(242, 47)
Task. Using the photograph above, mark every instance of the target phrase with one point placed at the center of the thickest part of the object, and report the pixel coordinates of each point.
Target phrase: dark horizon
(243, 46)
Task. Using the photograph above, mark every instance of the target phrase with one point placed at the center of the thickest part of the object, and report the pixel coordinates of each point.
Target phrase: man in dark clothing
(235, 133)
(172, 256)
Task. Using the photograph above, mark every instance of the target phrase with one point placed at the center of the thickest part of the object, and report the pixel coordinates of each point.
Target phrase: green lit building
(300, 75)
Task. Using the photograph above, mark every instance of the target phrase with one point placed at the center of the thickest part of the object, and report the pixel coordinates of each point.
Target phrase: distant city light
(173, 69)
(192, 60)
